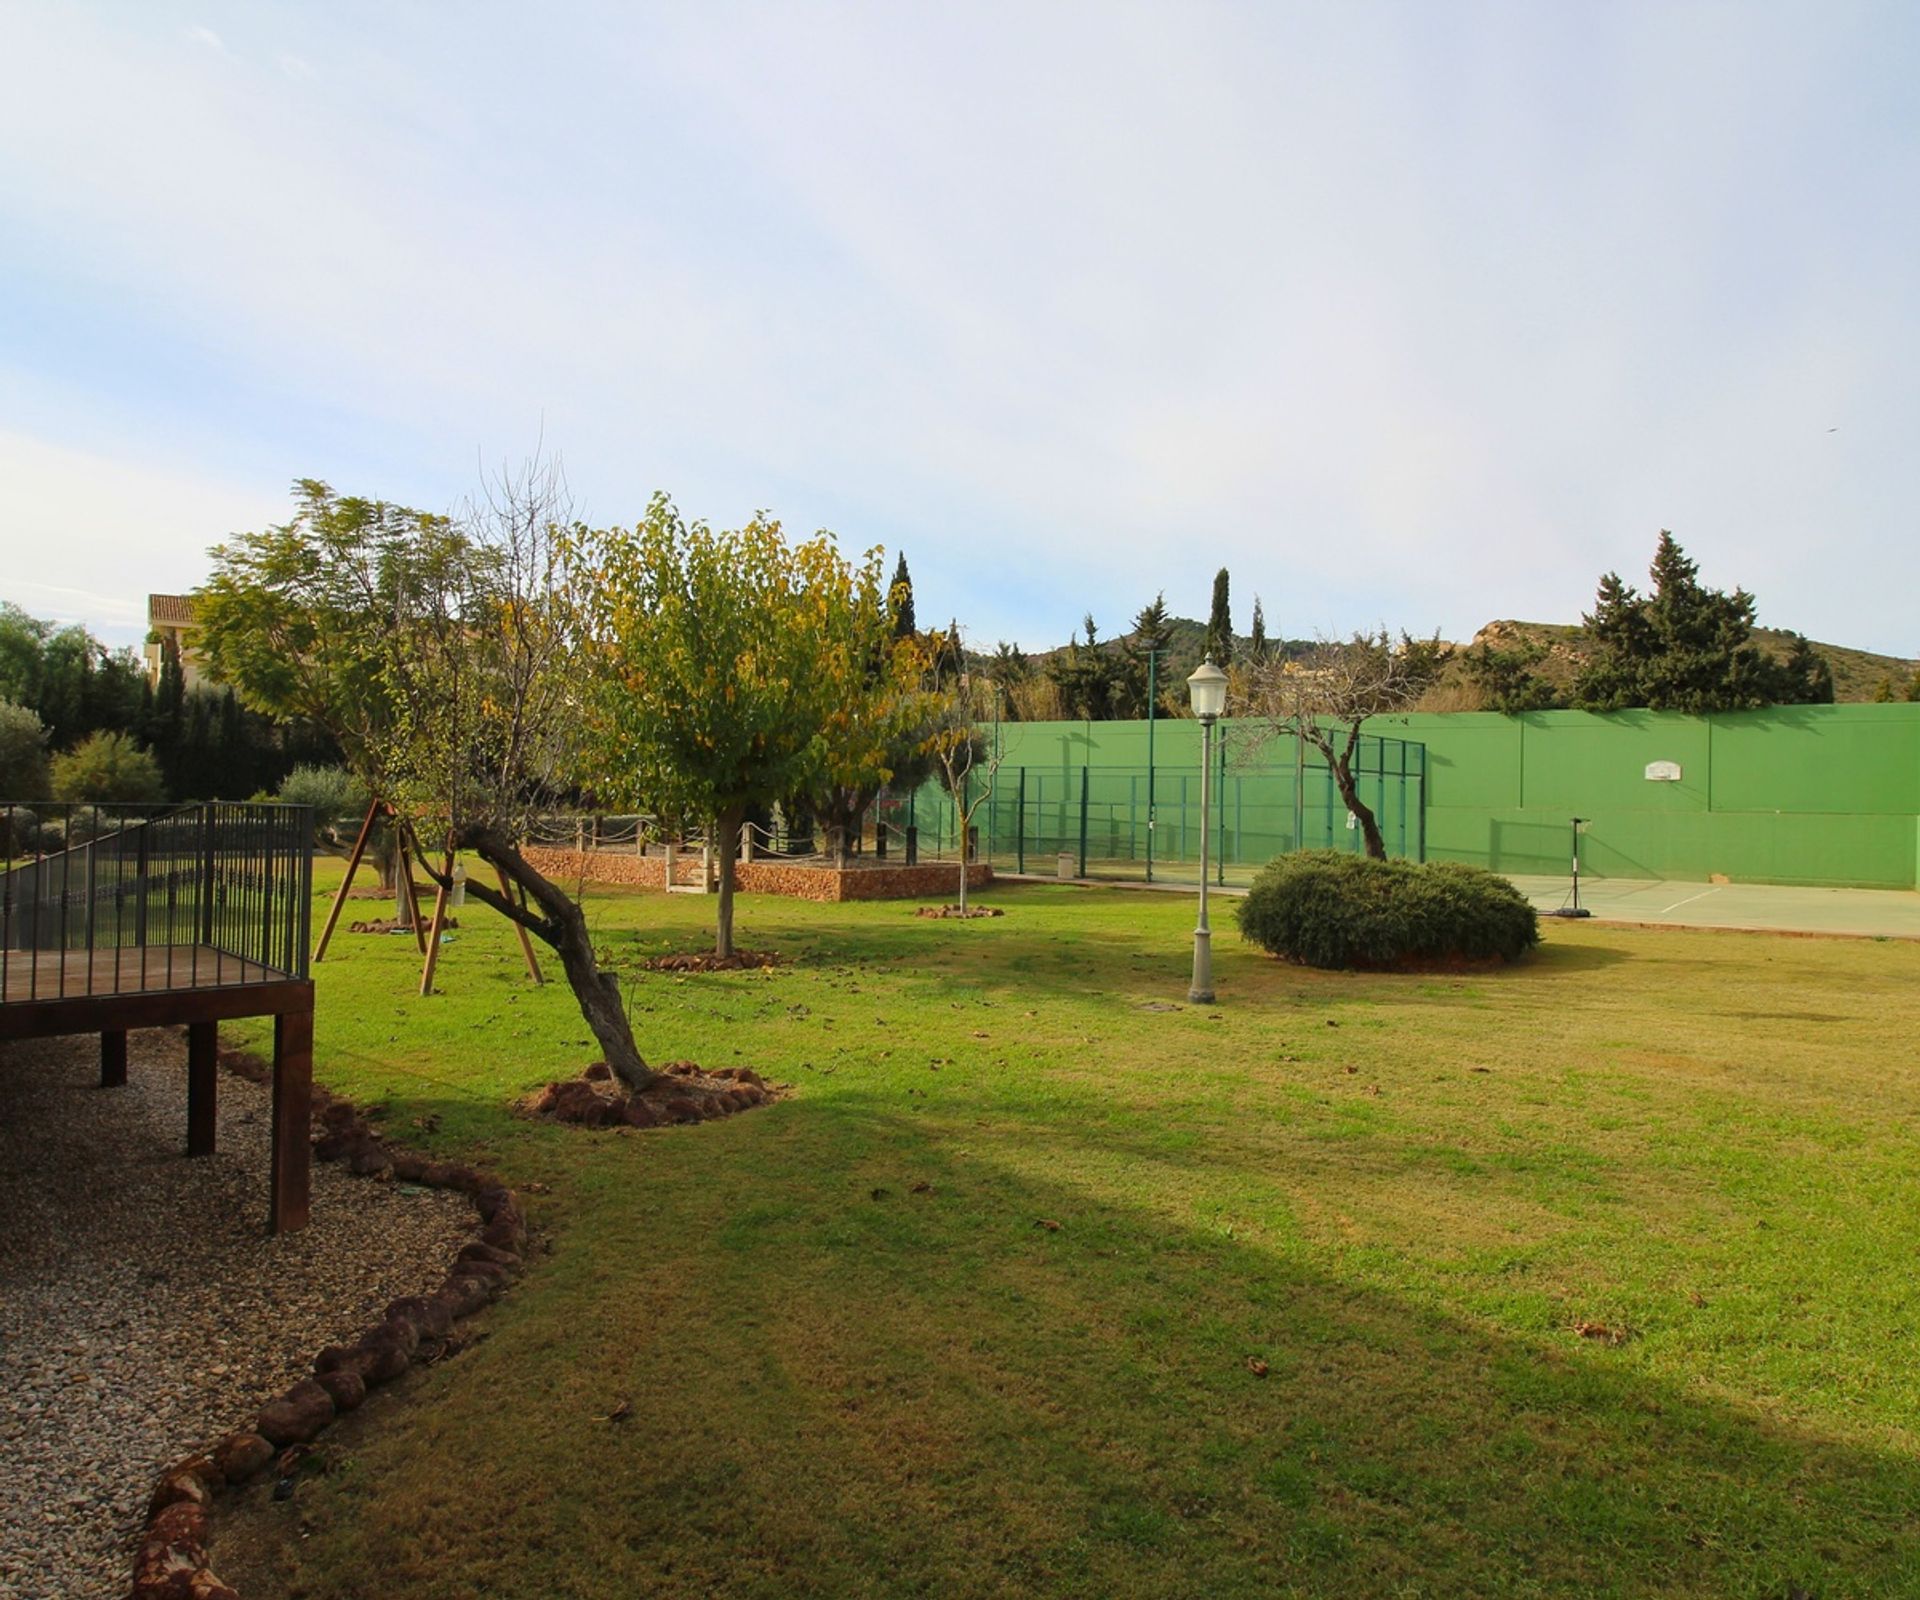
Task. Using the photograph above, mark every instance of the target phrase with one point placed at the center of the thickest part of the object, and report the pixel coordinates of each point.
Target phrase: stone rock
(240, 1455)
(338, 1356)
(345, 1388)
(476, 1250)
(748, 1075)
(638, 1113)
(490, 1201)
(599, 1072)
(491, 1273)
(385, 1361)
(369, 1159)
(505, 1233)
(171, 1553)
(463, 1295)
(206, 1586)
(297, 1416)
(682, 1109)
(429, 1319)
(334, 1144)
(408, 1166)
(181, 1523)
(192, 1481)
(465, 1179)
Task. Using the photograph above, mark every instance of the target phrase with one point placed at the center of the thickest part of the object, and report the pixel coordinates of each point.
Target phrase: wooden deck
(192, 985)
(34, 975)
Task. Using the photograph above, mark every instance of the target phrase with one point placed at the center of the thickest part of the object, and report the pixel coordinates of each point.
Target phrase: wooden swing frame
(426, 938)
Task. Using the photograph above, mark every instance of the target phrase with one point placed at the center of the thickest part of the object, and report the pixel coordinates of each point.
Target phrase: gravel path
(143, 1310)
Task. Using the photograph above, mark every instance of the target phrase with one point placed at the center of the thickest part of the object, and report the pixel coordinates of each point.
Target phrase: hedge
(1326, 908)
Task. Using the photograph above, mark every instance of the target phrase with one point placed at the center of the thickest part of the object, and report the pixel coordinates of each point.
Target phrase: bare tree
(1326, 697)
(964, 741)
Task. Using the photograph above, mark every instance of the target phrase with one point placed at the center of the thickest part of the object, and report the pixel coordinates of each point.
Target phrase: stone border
(172, 1561)
(824, 883)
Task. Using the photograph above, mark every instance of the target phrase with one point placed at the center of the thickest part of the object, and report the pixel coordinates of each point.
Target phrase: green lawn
(1400, 1193)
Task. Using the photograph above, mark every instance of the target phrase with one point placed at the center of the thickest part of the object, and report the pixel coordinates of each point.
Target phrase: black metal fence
(114, 899)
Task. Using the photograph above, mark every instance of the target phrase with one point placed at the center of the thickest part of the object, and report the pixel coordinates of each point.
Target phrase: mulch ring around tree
(681, 1093)
(388, 925)
(956, 912)
(707, 961)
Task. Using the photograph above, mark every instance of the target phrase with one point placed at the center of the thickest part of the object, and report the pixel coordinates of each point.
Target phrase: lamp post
(1207, 689)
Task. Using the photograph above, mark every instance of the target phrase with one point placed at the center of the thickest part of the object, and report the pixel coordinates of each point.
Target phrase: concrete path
(1766, 908)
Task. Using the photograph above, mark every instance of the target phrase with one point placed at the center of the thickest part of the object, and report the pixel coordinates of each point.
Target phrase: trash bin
(1065, 865)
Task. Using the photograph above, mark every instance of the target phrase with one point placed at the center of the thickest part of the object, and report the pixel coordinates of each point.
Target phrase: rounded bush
(1329, 909)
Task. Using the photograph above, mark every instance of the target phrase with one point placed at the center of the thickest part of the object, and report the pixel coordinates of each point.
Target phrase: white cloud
(88, 537)
(1399, 314)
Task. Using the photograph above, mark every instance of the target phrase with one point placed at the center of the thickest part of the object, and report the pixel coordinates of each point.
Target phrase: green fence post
(1153, 660)
(1083, 822)
(1020, 824)
(1220, 812)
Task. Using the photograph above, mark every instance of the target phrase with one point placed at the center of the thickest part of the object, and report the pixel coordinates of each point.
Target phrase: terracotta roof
(169, 610)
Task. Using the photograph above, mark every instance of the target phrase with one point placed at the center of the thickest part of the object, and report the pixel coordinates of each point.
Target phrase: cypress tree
(901, 593)
(1220, 623)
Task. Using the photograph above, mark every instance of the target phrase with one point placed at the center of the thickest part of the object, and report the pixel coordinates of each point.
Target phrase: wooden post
(409, 848)
(203, 1086)
(113, 1058)
(526, 944)
(290, 1183)
(346, 883)
(439, 923)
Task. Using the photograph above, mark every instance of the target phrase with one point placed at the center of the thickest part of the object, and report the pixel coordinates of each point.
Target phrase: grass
(1400, 1193)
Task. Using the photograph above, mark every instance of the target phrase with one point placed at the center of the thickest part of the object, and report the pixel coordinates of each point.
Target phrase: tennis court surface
(1773, 908)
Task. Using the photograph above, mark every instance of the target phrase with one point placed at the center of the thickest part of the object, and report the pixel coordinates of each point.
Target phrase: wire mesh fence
(1142, 824)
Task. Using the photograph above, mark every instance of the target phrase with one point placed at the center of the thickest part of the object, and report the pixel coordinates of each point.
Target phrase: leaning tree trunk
(562, 926)
(727, 842)
(1362, 813)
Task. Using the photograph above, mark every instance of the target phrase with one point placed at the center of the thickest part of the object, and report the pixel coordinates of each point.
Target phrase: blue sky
(1410, 314)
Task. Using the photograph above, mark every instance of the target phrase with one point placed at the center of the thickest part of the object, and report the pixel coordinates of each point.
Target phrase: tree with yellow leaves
(734, 670)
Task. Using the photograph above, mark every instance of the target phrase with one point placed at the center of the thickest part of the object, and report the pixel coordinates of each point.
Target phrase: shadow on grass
(843, 1385)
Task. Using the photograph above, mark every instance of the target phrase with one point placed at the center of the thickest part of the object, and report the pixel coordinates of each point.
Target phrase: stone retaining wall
(929, 879)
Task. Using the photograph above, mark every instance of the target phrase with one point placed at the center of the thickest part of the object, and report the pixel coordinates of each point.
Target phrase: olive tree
(444, 653)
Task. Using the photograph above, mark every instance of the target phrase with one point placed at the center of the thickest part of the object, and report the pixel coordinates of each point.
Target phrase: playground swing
(426, 939)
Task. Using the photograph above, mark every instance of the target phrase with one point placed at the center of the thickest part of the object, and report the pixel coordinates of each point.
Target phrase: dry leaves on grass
(1048, 1223)
(623, 1408)
(1256, 1366)
(1603, 1332)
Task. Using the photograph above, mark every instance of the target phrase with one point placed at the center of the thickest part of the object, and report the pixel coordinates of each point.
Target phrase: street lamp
(1207, 689)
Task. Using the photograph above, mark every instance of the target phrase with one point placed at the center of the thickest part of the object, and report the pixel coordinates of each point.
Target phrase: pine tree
(1152, 635)
(902, 601)
(1685, 647)
(1257, 640)
(1220, 623)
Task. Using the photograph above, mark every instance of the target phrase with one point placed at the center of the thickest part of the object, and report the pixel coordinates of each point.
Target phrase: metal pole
(1153, 662)
(1200, 992)
(1083, 822)
(1221, 802)
(1020, 825)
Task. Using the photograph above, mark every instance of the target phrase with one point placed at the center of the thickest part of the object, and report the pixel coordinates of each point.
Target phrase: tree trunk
(562, 926)
(728, 844)
(1369, 827)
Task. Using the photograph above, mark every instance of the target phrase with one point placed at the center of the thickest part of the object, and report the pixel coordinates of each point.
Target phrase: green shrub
(337, 798)
(106, 767)
(1329, 909)
(23, 754)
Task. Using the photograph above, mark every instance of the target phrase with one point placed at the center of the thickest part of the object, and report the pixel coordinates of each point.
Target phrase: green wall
(1825, 795)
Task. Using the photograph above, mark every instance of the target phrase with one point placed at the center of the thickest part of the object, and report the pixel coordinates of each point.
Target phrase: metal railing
(117, 899)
